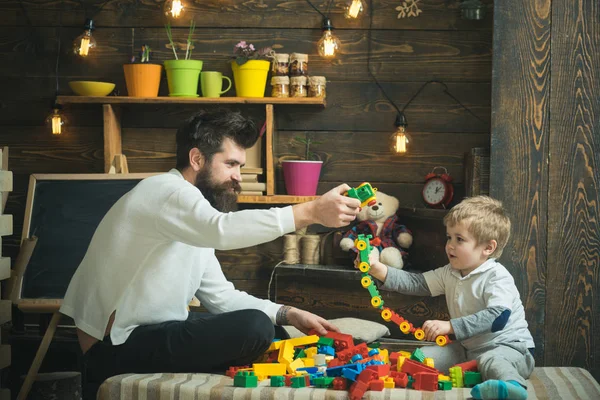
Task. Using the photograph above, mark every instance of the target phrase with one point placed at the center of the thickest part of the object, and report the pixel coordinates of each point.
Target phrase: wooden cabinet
(111, 106)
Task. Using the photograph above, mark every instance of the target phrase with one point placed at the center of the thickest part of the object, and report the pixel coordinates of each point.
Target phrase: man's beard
(219, 195)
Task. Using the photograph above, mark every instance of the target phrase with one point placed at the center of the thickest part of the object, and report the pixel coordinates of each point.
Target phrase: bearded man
(155, 249)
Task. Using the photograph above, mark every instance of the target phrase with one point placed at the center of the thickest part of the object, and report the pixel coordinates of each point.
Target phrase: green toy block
(299, 353)
(471, 379)
(298, 382)
(277, 381)
(444, 385)
(373, 290)
(418, 355)
(410, 382)
(325, 341)
(456, 376)
(323, 382)
(374, 345)
(245, 379)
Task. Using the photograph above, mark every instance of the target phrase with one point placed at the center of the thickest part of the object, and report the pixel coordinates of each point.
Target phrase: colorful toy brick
(245, 379)
(363, 192)
(425, 381)
(456, 376)
(277, 381)
(418, 355)
(471, 379)
(444, 385)
(468, 366)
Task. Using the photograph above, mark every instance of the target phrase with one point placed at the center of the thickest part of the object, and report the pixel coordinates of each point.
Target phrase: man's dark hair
(207, 130)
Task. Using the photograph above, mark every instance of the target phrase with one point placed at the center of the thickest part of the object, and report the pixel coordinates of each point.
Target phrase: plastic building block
(376, 385)
(269, 369)
(372, 352)
(232, 371)
(444, 385)
(388, 382)
(363, 192)
(456, 376)
(298, 382)
(381, 370)
(425, 381)
(429, 362)
(471, 379)
(357, 390)
(340, 383)
(468, 366)
(277, 381)
(326, 341)
(400, 379)
(328, 350)
(324, 382)
(412, 367)
(245, 379)
(418, 355)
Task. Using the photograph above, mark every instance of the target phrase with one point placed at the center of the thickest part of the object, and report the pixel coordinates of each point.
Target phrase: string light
(85, 42)
(56, 120)
(329, 44)
(354, 8)
(400, 139)
(173, 8)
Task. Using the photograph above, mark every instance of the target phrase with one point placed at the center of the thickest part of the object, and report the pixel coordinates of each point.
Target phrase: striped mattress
(545, 383)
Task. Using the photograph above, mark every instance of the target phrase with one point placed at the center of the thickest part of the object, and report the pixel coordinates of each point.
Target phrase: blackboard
(63, 212)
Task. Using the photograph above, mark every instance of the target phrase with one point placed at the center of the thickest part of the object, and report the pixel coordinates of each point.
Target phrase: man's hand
(304, 321)
(435, 328)
(332, 209)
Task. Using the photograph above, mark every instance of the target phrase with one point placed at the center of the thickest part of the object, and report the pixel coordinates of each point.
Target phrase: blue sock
(494, 389)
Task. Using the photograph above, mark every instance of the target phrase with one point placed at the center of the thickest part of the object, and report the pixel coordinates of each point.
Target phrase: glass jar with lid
(280, 86)
(298, 86)
(316, 86)
(298, 64)
(281, 64)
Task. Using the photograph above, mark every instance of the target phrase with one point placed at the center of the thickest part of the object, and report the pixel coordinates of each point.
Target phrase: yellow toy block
(406, 354)
(400, 363)
(275, 345)
(388, 383)
(268, 369)
(443, 377)
(310, 352)
(385, 355)
(297, 363)
(308, 362)
(303, 341)
(429, 362)
(286, 354)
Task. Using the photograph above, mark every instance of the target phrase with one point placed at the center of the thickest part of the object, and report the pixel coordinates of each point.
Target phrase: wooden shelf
(187, 100)
(275, 199)
(318, 271)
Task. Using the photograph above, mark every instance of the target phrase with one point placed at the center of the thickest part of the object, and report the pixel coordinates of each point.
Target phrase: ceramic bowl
(91, 88)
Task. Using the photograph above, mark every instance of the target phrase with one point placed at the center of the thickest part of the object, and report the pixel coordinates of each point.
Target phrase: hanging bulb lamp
(173, 8)
(329, 44)
(400, 139)
(354, 8)
(85, 42)
(56, 120)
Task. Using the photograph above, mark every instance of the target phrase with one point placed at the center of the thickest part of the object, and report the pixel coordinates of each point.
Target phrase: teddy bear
(390, 239)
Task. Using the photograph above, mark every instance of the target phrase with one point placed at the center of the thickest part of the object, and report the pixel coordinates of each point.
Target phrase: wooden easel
(50, 306)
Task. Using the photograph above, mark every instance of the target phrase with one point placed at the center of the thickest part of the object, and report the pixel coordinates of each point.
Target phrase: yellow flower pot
(251, 78)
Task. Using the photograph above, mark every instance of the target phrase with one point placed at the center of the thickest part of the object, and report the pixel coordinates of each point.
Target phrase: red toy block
(233, 370)
(346, 355)
(400, 379)
(341, 341)
(376, 385)
(381, 370)
(307, 380)
(366, 376)
(468, 366)
(397, 319)
(288, 380)
(336, 362)
(340, 383)
(425, 381)
(412, 367)
(357, 390)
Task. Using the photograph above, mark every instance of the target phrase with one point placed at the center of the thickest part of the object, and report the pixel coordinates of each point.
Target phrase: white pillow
(360, 329)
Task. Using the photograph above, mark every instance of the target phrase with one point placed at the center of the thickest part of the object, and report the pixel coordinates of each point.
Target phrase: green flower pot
(182, 77)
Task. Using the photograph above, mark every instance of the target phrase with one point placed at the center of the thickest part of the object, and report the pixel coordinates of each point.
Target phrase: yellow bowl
(91, 88)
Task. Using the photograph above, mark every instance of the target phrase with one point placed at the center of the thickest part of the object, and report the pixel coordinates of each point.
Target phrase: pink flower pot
(301, 177)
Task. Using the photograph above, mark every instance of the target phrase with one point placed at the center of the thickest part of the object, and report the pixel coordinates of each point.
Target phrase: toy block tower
(6, 228)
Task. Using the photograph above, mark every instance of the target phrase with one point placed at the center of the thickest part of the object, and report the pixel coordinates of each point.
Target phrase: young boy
(486, 313)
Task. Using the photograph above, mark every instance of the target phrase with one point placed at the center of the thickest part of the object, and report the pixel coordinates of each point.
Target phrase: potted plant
(472, 9)
(250, 68)
(302, 176)
(183, 74)
(141, 76)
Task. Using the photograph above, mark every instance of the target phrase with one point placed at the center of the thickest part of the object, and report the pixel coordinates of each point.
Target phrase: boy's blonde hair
(484, 218)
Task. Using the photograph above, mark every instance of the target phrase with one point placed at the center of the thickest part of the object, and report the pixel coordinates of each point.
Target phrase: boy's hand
(378, 269)
(435, 328)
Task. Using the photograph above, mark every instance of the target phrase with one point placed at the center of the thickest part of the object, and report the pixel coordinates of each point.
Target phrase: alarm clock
(438, 190)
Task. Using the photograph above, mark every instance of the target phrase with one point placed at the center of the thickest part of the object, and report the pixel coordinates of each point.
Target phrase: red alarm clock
(438, 190)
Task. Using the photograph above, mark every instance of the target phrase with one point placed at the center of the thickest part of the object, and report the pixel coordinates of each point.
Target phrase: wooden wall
(545, 166)
(354, 127)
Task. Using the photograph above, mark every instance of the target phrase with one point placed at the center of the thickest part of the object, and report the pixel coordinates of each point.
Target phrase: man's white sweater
(155, 249)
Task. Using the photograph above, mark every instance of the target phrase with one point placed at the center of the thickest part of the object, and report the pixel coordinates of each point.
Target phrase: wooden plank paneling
(518, 172)
(573, 280)
(405, 56)
(437, 14)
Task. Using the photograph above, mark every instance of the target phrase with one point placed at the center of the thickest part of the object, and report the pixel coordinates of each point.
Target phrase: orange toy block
(381, 370)
(468, 366)
(412, 367)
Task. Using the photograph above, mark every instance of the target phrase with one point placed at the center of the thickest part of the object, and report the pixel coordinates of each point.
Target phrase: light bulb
(56, 121)
(329, 44)
(353, 8)
(173, 8)
(85, 42)
(400, 139)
